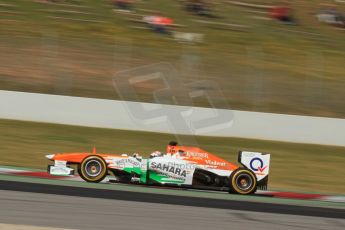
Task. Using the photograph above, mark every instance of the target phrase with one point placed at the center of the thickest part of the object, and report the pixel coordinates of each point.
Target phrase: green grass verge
(310, 168)
(295, 69)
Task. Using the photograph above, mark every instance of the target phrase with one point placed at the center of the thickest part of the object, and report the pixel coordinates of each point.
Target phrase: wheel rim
(93, 168)
(244, 182)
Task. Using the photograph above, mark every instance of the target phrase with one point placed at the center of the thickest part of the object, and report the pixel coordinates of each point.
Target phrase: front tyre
(243, 181)
(93, 169)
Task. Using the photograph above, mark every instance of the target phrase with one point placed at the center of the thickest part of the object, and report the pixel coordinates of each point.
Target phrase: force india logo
(169, 169)
(124, 162)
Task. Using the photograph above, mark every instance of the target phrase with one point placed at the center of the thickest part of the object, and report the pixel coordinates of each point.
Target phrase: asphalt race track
(78, 208)
(60, 211)
(172, 199)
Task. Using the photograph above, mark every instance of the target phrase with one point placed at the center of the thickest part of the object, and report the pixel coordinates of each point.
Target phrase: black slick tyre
(93, 169)
(242, 181)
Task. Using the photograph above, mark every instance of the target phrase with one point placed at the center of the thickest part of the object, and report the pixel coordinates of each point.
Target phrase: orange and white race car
(183, 166)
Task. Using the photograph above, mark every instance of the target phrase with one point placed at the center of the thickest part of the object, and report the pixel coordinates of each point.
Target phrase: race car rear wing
(259, 164)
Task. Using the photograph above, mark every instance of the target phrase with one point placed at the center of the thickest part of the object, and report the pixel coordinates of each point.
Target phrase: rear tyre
(243, 181)
(93, 169)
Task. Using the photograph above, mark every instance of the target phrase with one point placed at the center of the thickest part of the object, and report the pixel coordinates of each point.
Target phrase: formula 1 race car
(182, 166)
